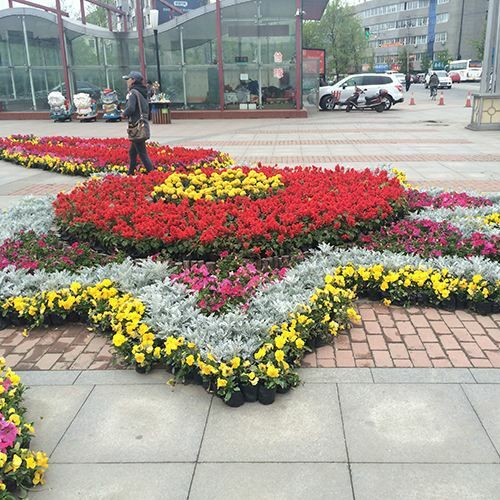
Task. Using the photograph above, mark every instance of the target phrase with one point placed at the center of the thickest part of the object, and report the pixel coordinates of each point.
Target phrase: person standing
(137, 110)
(408, 81)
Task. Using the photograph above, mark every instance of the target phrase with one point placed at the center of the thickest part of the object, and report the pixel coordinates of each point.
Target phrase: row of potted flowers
(328, 310)
(20, 468)
(88, 156)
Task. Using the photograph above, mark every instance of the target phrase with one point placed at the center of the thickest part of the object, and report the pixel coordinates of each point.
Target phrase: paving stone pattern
(386, 337)
(345, 434)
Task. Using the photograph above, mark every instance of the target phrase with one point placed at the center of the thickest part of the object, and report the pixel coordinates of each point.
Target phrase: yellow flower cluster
(403, 282)
(216, 186)
(401, 176)
(492, 219)
(18, 461)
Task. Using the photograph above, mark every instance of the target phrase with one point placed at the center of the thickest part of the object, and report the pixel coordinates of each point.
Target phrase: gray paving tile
(412, 423)
(486, 401)
(152, 423)
(335, 375)
(122, 377)
(51, 409)
(486, 375)
(33, 378)
(426, 481)
(422, 376)
(301, 426)
(271, 482)
(116, 482)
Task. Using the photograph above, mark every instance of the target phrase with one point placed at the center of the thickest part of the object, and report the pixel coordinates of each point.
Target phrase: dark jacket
(434, 81)
(138, 91)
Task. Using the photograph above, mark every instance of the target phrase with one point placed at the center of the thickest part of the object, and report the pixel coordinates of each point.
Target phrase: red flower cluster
(315, 205)
(84, 156)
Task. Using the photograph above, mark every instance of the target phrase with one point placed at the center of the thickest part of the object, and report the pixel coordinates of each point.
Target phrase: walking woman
(137, 112)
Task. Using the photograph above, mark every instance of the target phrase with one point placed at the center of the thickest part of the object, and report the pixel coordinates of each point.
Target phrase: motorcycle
(378, 102)
(86, 107)
(60, 111)
(110, 106)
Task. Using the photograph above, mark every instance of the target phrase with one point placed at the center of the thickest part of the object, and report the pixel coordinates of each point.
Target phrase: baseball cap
(134, 75)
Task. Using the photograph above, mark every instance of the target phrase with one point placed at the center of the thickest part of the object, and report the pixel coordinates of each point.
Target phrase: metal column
(11, 66)
(62, 43)
(140, 35)
(28, 62)
(219, 53)
(183, 68)
(298, 57)
(491, 64)
(259, 53)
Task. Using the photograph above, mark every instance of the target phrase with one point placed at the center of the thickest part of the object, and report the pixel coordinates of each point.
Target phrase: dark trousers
(139, 148)
(408, 84)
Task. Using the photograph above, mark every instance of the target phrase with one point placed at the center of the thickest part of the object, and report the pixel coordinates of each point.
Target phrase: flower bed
(79, 156)
(431, 239)
(239, 331)
(20, 468)
(313, 206)
(29, 250)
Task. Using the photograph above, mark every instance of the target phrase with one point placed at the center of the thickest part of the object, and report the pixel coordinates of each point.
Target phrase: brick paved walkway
(414, 337)
(387, 337)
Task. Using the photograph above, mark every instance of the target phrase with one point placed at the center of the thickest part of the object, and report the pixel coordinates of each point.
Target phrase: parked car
(444, 79)
(401, 77)
(420, 78)
(370, 83)
(455, 77)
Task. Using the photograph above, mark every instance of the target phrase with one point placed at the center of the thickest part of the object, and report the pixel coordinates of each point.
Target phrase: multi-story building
(423, 27)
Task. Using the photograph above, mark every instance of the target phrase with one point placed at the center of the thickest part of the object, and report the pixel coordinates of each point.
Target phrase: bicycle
(434, 92)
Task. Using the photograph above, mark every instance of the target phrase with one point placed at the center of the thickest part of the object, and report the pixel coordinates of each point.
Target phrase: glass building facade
(259, 40)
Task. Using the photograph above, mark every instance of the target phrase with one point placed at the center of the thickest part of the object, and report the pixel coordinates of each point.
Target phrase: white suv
(444, 80)
(371, 83)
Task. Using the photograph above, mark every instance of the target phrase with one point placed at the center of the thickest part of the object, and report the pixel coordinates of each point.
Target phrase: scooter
(377, 102)
(110, 106)
(60, 111)
(86, 107)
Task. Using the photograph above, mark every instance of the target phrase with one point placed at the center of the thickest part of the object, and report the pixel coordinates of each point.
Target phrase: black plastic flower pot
(56, 319)
(266, 395)
(461, 303)
(373, 294)
(449, 304)
(250, 392)
(235, 400)
(495, 307)
(17, 320)
(10, 484)
(142, 369)
(484, 308)
(197, 379)
(207, 385)
(4, 323)
(282, 390)
(74, 317)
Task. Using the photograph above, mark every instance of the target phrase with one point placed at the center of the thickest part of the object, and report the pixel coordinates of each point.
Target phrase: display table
(160, 112)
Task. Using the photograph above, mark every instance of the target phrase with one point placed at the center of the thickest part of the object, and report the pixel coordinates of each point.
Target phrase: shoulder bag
(139, 131)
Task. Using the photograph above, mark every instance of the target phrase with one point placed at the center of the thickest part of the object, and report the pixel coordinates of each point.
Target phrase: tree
(342, 36)
(425, 62)
(99, 16)
(403, 60)
(443, 57)
(479, 44)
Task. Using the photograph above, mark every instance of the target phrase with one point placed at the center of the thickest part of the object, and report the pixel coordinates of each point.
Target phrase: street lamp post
(153, 18)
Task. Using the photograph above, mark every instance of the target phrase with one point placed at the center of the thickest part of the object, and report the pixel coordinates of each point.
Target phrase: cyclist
(433, 85)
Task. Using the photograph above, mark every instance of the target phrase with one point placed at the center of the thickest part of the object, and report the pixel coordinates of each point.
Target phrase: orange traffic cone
(412, 100)
(468, 101)
(441, 100)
